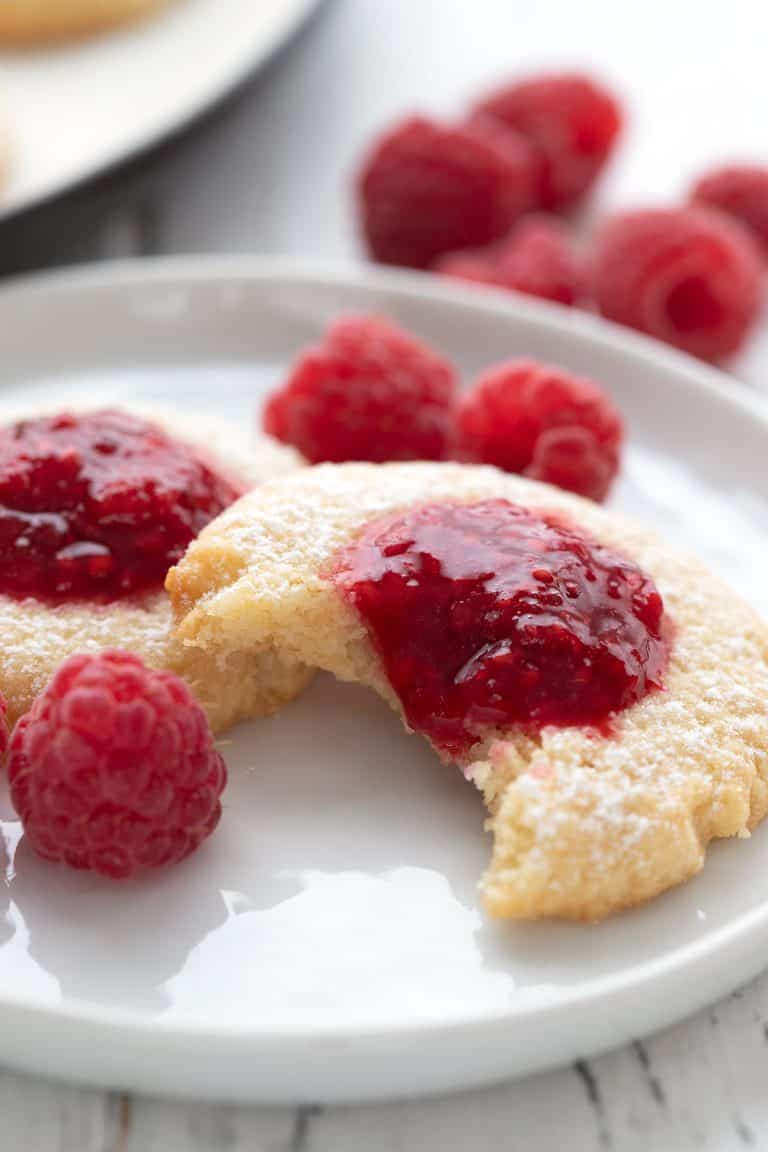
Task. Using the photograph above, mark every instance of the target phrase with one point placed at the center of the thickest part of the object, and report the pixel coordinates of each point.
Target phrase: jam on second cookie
(98, 505)
(489, 615)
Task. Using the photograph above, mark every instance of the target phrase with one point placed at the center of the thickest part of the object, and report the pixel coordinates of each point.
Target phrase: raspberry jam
(488, 615)
(98, 505)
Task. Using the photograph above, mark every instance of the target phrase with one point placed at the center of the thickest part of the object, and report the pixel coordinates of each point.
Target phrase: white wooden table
(269, 172)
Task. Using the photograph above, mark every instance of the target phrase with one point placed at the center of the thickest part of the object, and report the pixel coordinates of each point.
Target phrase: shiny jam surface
(98, 505)
(488, 615)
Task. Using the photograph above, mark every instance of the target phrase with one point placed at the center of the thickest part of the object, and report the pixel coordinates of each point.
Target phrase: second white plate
(73, 110)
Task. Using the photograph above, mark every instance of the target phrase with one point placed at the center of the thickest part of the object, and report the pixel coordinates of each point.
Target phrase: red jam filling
(98, 505)
(488, 615)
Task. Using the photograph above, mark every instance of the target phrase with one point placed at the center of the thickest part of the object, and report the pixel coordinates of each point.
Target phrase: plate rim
(407, 283)
(693, 961)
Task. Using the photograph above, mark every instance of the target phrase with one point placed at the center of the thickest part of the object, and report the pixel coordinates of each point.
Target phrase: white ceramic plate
(72, 111)
(328, 943)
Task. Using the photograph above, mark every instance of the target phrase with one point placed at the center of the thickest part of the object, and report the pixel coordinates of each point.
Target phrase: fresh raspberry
(541, 422)
(98, 505)
(572, 123)
(740, 191)
(689, 276)
(538, 258)
(489, 615)
(426, 188)
(367, 392)
(113, 769)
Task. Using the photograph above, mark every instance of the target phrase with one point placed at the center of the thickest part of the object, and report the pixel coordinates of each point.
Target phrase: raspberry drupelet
(367, 391)
(688, 276)
(426, 188)
(113, 769)
(540, 421)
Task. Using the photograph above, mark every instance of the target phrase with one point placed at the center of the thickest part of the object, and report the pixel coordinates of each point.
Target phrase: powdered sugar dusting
(582, 825)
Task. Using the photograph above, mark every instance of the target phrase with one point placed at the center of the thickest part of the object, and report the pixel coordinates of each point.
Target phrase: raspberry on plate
(689, 276)
(537, 258)
(741, 191)
(368, 391)
(541, 422)
(426, 188)
(113, 769)
(571, 121)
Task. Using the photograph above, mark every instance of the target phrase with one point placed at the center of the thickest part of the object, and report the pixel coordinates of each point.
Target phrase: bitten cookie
(607, 695)
(45, 502)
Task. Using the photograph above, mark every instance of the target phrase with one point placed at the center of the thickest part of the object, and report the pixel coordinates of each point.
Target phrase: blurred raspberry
(426, 188)
(538, 258)
(541, 422)
(368, 391)
(689, 276)
(740, 191)
(573, 124)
